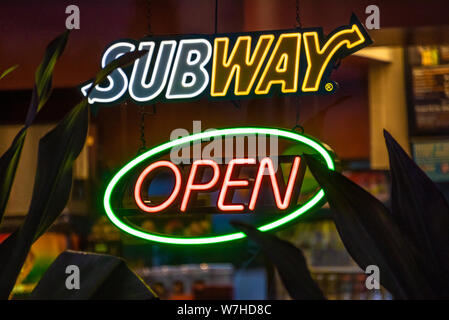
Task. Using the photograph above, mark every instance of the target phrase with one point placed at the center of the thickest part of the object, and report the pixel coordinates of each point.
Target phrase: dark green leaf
(44, 73)
(8, 167)
(370, 234)
(120, 62)
(58, 150)
(8, 71)
(101, 277)
(422, 212)
(10, 159)
(289, 261)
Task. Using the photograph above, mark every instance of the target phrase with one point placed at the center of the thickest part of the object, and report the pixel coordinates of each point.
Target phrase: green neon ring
(316, 199)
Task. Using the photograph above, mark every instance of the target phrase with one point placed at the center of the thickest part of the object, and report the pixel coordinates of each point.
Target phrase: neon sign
(233, 66)
(225, 181)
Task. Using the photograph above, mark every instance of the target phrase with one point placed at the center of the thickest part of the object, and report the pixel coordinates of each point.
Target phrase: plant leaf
(58, 149)
(8, 167)
(289, 261)
(422, 211)
(10, 159)
(44, 73)
(121, 62)
(370, 234)
(8, 71)
(101, 277)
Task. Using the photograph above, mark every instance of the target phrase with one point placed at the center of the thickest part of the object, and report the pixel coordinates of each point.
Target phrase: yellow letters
(318, 59)
(256, 71)
(240, 63)
(283, 65)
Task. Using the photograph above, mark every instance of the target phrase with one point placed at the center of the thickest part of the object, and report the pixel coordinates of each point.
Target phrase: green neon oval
(312, 203)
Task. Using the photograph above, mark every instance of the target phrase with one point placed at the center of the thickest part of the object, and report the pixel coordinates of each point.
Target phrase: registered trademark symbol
(329, 87)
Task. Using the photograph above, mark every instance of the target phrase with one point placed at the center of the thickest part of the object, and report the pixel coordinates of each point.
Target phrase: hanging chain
(142, 114)
(142, 130)
(298, 100)
(142, 111)
(297, 125)
(298, 18)
(235, 103)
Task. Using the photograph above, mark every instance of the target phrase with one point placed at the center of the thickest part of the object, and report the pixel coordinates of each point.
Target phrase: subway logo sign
(228, 66)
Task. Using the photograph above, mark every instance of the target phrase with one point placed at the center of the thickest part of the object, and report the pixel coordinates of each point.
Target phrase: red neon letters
(232, 183)
(143, 175)
(266, 162)
(265, 168)
(203, 187)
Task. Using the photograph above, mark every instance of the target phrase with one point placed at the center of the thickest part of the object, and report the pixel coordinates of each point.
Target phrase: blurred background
(400, 83)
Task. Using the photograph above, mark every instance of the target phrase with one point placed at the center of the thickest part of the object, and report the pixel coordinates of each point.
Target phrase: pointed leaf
(10, 159)
(370, 234)
(44, 73)
(289, 261)
(58, 149)
(8, 71)
(100, 277)
(44, 76)
(8, 167)
(120, 62)
(421, 210)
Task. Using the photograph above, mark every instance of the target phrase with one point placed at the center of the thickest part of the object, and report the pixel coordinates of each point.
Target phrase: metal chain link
(298, 18)
(142, 111)
(142, 130)
(298, 101)
(297, 125)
